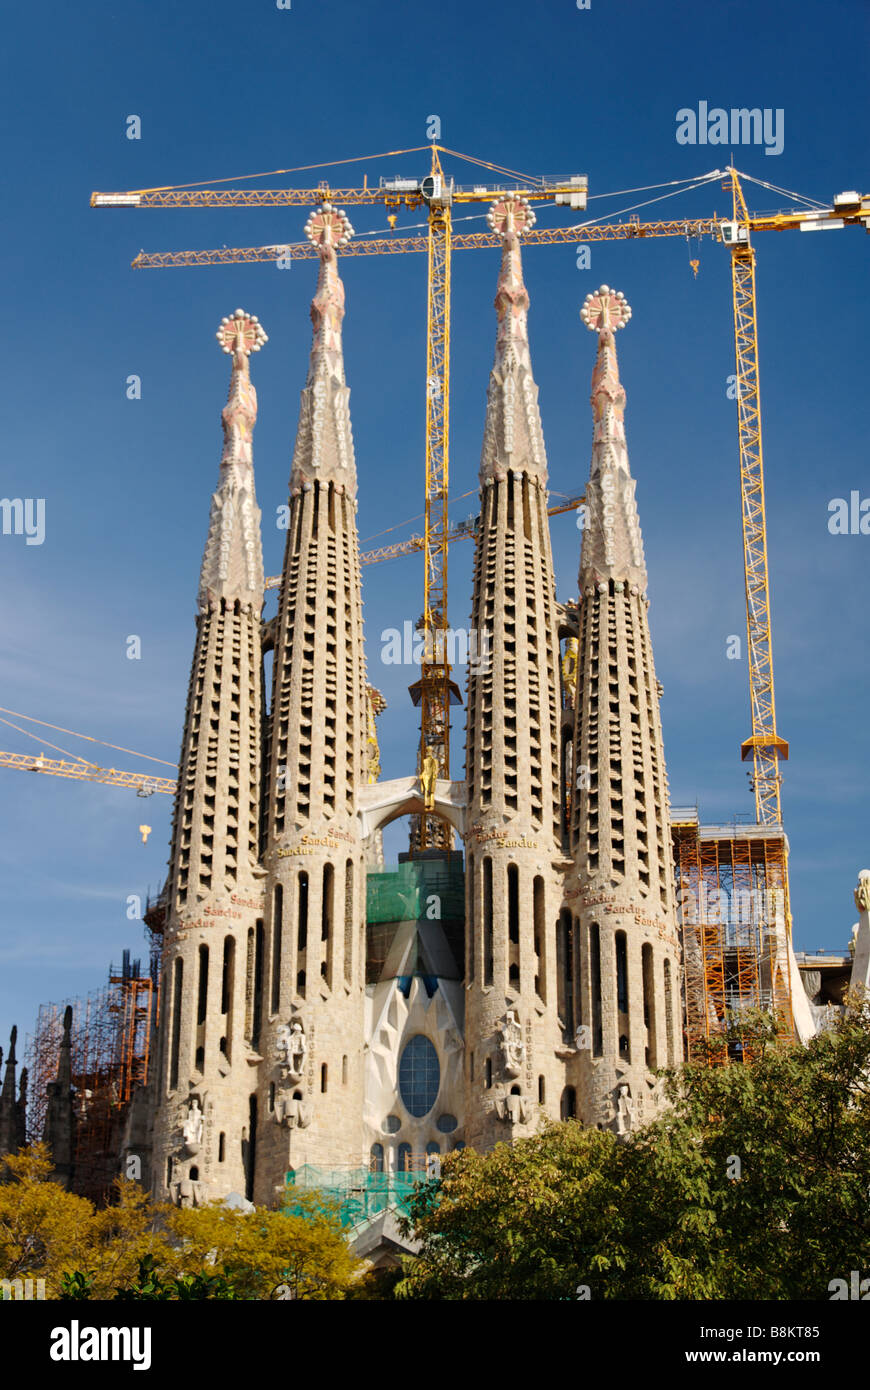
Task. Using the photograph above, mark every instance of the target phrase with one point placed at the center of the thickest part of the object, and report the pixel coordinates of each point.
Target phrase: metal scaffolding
(111, 1041)
(734, 918)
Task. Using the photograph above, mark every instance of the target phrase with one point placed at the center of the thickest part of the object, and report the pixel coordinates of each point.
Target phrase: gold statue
(428, 776)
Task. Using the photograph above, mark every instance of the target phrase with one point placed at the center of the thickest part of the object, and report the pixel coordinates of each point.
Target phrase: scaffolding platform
(358, 1194)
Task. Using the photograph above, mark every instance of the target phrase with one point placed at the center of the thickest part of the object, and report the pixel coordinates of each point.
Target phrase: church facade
(318, 1012)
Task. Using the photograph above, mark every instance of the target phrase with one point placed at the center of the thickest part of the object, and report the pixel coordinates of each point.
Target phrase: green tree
(44, 1230)
(753, 1184)
(304, 1250)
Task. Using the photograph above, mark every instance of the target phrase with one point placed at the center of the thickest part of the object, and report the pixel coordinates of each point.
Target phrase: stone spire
(59, 1132)
(619, 924)
(8, 1103)
(232, 564)
(213, 937)
(313, 970)
(324, 442)
(612, 544)
(512, 434)
(21, 1111)
(512, 750)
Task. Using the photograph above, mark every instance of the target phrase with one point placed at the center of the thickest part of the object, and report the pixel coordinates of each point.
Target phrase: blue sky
(224, 90)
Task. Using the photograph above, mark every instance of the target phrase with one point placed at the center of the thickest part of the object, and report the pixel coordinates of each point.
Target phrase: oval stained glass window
(419, 1076)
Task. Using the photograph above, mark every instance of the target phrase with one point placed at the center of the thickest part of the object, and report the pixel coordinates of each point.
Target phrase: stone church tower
(620, 913)
(513, 837)
(309, 1102)
(204, 1074)
(322, 1015)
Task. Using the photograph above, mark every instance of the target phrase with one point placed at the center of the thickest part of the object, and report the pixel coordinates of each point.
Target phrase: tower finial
(241, 334)
(510, 217)
(232, 564)
(512, 437)
(328, 229)
(612, 545)
(605, 310)
(324, 444)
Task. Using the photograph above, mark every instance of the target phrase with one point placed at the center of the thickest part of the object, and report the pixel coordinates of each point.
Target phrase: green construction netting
(402, 894)
(359, 1193)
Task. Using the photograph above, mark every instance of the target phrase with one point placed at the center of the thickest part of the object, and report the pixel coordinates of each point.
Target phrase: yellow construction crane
(435, 691)
(79, 769)
(461, 531)
(144, 784)
(764, 747)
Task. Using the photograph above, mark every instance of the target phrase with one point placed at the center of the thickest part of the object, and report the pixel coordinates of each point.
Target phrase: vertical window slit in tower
(487, 921)
(177, 984)
(649, 1005)
(249, 986)
(669, 1013)
(513, 878)
(202, 990)
(621, 973)
(348, 922)
(565, 770)
(563, 1001)
(227, 984)
(259, 953)
(326, 933)
(249, 1148)
(277, 929)
(302, 912)
(595, 973)
(470, 920)
(539, 919)
(301, 929)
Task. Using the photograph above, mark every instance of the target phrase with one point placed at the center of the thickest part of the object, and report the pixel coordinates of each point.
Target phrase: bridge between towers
(382, 802)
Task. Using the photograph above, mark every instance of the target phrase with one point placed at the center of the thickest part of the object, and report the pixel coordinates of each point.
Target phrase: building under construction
(104, 1041)
(732, 900)
(556, 934)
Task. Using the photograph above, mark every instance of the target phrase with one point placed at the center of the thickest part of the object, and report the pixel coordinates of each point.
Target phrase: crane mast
(764, 747)
(429, 832)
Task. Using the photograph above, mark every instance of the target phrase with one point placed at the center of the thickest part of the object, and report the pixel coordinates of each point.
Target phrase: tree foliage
(752, 1185)
(136, 1249)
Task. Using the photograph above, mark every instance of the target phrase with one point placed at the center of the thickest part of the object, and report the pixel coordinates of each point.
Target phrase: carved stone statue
(291, 1111)
(188, 1193)
(291, 1048)
(862, 892)
(624, 1107)
(513, 1049)
(428, 777)
(193, 1127)
(513, 1109)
